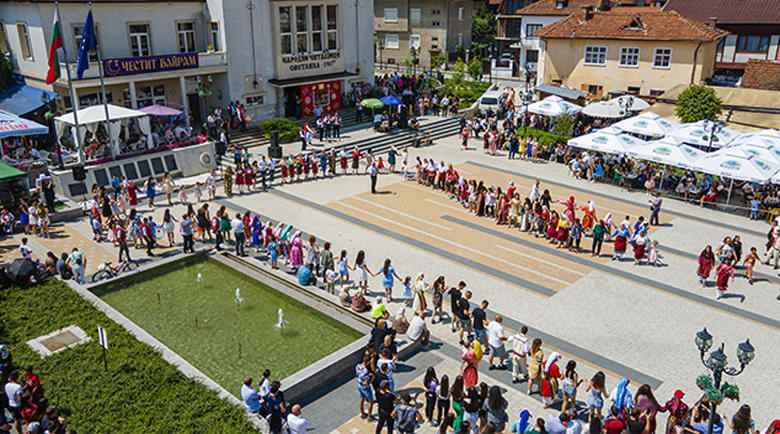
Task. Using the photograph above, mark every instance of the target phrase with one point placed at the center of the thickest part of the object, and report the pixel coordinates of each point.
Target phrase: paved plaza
(637, 322)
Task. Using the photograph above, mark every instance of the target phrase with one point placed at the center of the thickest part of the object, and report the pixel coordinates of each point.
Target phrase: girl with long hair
(742, 422)
(571, 381)
(706, 262)
(535, 365)
(430, 383)
(598, 392)
(458, 394)
(361, 272)
(645, 401)
(443, 402)
(388, 273)
(344, 269)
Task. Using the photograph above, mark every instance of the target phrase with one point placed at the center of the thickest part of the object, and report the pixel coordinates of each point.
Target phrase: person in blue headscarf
(621, 397)
(521, 425)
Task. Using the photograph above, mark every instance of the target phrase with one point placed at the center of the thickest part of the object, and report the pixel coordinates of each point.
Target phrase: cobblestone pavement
(612, 316)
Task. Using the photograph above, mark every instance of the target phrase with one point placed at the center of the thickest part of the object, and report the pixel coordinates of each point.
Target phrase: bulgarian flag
(56, 44)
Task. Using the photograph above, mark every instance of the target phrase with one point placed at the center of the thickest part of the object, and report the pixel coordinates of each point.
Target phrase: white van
(490, 100)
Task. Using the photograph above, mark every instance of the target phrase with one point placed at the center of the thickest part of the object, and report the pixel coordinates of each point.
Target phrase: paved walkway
(638, 322)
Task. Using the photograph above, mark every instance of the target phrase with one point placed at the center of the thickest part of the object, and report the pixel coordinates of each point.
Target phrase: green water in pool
(225, 339)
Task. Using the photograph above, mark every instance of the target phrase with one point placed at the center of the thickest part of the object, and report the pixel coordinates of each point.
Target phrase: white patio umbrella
(603, 109)
(695, 134)
(608, 140)
(741, 168)
(669, 152)
(635, 104)
(553, 106)
(767, 153)
(647, 124)
(765, 138)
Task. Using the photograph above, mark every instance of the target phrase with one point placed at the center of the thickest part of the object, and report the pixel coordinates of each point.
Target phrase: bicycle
(105, 270)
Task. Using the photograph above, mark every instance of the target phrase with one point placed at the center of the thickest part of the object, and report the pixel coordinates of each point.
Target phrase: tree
(564, 124)
(475, 68)
(459, 70)
(438, 60)
(6, 74)
(485, 25)
(698, 102)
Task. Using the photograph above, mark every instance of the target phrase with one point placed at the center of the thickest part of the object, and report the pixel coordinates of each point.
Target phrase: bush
(468, 91)
(544, 137)
(458, 70)
(475, 68)
(698, 102)
(288, 131)
(140, 392)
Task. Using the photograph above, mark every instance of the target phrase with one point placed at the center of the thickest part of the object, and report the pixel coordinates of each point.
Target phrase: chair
(771, 214)
(44, 156)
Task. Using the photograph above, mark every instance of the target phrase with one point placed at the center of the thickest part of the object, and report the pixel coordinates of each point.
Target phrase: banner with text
(144, 65)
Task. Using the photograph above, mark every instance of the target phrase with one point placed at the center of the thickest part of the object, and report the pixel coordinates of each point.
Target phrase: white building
(201, 54)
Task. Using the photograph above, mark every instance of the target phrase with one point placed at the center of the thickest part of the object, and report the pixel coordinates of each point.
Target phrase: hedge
(140, 392)
(544, 137)
(288, 130)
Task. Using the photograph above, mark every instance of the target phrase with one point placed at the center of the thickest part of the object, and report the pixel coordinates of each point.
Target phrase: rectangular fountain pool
(225, 339)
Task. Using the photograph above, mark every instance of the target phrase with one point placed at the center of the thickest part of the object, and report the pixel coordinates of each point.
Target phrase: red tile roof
(728, 11)
(657, 25)
(762, 74)
(548, 7)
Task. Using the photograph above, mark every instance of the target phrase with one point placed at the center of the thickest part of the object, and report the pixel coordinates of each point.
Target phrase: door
(291, 97)
(194, 102)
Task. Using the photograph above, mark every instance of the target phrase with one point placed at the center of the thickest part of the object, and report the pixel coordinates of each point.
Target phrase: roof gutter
(695, 55)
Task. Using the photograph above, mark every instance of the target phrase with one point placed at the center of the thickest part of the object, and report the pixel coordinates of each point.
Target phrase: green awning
(8, 173)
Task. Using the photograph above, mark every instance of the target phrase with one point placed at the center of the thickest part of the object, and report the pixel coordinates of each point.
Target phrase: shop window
(186, 34)
(77, 31)
(214, 35)
(3, 40)
(301, 30)
(24, 41)
(285, 27)
(316, 29)
(333, 28)
(140, 43)
(753, 44)
(149, 95)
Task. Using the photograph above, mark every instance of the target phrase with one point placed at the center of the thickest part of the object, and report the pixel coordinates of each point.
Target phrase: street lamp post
(490, 56)
(381, 47)
(415, 53)
(49, 116)
(717, 362)
(203, 92)
(713, 128)
(527, 94)
(625, 104)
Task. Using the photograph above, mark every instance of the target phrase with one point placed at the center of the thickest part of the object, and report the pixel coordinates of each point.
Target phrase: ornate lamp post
(415, 58)
(717, 363)
(381, 44)
(625, 104)
(526, 96)
(713, 128)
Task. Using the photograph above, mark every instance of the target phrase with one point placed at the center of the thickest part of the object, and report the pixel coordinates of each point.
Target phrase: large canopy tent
(160, 110)
(607, 140)
(603, 109)
(669, 152)
(20, 99)
(696, 134)
(647, 124)
(554, 106)
(14, 185)
(14, 126)
(91, 117)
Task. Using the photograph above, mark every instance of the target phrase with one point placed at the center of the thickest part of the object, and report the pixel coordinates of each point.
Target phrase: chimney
(587, 13)
(713, 22)
(641, 3)
(604, 5)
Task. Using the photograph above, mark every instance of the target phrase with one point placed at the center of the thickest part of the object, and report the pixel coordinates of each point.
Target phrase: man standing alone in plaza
(655, 208)
(496, 338)
(186, 233)
(373, 171)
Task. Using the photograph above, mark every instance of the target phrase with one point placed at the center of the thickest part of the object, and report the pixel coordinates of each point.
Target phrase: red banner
(325, 95)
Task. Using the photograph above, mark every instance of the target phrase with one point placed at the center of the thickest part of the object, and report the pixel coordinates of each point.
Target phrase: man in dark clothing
(478, 317)
(455, 294)
(385, 400)
(464, 316)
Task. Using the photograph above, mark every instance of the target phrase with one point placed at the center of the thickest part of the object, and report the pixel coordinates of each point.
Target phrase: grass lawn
(468, 91)
(140, 392)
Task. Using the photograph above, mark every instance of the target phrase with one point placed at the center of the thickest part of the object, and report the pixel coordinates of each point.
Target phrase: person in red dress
(248, 177)
(132, 192)
(240, 178)
(723, 272)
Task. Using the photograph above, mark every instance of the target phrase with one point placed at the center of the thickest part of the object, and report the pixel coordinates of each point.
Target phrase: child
(44, 221)
(546, 392)
(652, 255)
(750, 261)
(404, 170)
(183, 195)
(95, 228)
(380, 165)
(330, 279)
(754, 204)
(406, 293)
(273, 252)
(196, 191)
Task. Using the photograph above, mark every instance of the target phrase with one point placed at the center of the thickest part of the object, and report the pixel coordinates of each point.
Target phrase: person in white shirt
(496, 338)
(418, 329)
(238, 231)
(264, 388)
(13, 389)
(25, 250)
(295, 423)
(250, 397)
(521, 347)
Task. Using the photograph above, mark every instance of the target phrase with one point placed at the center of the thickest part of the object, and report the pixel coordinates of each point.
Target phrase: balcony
(212, 62)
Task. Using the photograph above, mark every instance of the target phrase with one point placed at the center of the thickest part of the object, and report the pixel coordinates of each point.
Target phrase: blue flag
(88, 42)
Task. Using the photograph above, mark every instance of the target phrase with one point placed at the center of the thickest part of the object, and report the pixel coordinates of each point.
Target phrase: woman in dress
(439, 288)
(706, 261)
(640, 242)
(344, 269)
(646, 402)
(240, 178)
(678, 413)
(469, 367)
(388, 274)
(168, 223)
(149, 188)
(391, 157)
(203, 219)
(458, 394)
(296, 252)
(132, 193)
(227, 179)
(621, 241)
(419, 302)
(723, 272)
(361, 272)
(43, 221)
(535, 360)
(168, 186)
(24, 216)
(211, 184)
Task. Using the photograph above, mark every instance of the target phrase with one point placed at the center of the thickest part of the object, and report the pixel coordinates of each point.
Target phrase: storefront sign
(144, 65)
(311, 61)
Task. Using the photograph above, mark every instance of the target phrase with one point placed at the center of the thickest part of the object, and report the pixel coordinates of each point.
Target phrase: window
(657, 92)
(391, 15)
(559, 5)
(3, 40)
(414, 15)
(316, 29)
(460, 38)
(460, 14)
(662, 58)
(721, 44)
(77, 31)
(532, 56)
(595, 55)
(333, 29)
(214, 35)
(629, 57)
(301, 29)
(435, 23)
(753, 44)
(149, 95)
(435, 43)
(414, 41)
(139, 40)
(285, 28)
(391, 42)
(24, 41)
(435, 11)
(530, 30)
(186, 34)
(254, 100)
(633, 90)
(594, 89)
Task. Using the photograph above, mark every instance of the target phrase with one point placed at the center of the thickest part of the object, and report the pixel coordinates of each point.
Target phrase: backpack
(406, 419)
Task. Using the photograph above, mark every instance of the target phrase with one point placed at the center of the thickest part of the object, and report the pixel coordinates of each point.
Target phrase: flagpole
(103, 90)
(73, 97)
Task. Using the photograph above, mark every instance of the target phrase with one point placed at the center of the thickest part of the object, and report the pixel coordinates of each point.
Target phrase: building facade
(432, 27)
(200, 54)
(627, 50)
